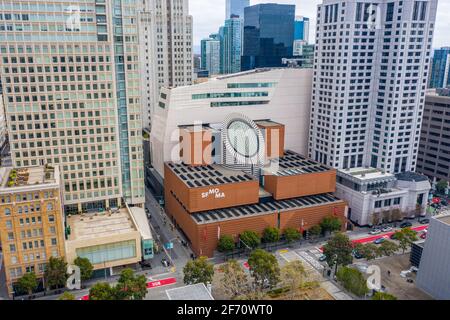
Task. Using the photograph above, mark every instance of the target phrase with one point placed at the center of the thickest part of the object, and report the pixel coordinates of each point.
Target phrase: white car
(387, 229)
(375, 232)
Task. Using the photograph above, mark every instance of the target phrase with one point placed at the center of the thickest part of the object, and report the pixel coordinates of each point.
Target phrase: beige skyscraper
(166, 49)
(71, 86)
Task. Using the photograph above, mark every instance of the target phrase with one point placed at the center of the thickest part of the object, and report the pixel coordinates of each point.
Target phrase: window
(12, 248)
(378, 204)
(49, 206)
(51, 218)
(397, 201)
(7, 211)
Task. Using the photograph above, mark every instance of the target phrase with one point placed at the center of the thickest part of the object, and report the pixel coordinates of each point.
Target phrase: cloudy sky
(209, 15)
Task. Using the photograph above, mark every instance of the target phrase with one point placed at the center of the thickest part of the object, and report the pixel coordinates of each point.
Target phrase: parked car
(145, 264)
(379, 241)
(424, 221)
(357, 254)
(406, 224)
(322, 258)
(423, 236)
(375, 232)
(444, 203)
(387, 229)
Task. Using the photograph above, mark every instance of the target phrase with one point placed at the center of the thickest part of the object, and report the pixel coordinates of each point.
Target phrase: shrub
(271, 235)
(226, 244)
(353, 281)
(292, 235)
(250, 238)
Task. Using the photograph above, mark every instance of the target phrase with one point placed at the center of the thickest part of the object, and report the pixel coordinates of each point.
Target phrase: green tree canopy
(291, 235)
(66, 296)
(353, 280)
(235, 280)
(28, 282)
(264, 268)
(55, 273)
(271, 235)
(388, 248)
(315, 230)
(338, 250)
(102, 291)
(331, 224)
(383, 296)
(250, 238)
(131, 286)
(226, 243)
(405, 237)
(441, 186)
(198, 271)
(86, 268)
(369, 251)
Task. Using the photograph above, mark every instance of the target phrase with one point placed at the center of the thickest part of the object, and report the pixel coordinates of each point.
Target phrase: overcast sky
(209, 15)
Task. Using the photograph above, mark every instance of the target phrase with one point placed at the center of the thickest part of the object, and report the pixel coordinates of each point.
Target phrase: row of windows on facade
(29, 220)
(27, 209)
(31, 233)
(26, 197)
(18, 271)
(30, 245)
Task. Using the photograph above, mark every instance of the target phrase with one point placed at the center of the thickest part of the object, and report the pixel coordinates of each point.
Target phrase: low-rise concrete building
(433, 276)
(375, 196)
(109, 239)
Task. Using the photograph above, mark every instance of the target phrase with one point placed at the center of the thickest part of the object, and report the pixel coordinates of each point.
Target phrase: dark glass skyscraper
(440, 68)
(268, 35)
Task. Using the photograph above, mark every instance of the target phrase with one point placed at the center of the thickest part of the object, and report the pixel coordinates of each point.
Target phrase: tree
(130, 286)
(226, 243)
(292, 277)
(353, 281)
(66, 296)
(102, 291)
(383, 296)
(405, 237)
(292, 235)
(441, 186)
(331, 224)
(264, 268)
(338, 250)
(234, 281)
(271, 235)
(388, 248)
(368, 251)
(250, 239)
(376, 218)
(86, 268)
(28, 282)
(315, 231)
(55, 273)
(198, 271)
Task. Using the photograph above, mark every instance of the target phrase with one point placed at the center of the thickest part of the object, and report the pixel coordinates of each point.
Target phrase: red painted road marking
(160, 283)
(150, 285)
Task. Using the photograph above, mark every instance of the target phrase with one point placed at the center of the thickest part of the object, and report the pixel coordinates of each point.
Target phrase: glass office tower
(231, 45)
(236, 7)
(268, 35)
(440, 68)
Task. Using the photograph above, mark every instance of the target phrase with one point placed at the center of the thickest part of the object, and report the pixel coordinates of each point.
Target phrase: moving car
(322, 258)
(406, 225)
(423, 236)
(165, 263)
(387, 229)
(379, 241)
(424, 221)
(357, 255)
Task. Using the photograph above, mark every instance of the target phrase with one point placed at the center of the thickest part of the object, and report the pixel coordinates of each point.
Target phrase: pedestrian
(389, 273)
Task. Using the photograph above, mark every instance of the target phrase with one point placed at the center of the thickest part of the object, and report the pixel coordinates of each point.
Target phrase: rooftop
(294, 164)
(99, 225)
(263, 208)
(206, 176)
(365, 174)
(192, 292)
(140, 217)
(31, 176)
(411, 176)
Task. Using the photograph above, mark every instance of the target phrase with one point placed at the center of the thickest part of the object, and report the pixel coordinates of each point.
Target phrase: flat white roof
(142, 223)
(365, 174)
(192, 292)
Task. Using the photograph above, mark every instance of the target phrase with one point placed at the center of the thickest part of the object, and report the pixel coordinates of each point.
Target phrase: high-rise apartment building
(236, 7)
(440, 67)
(71, 85)
(434, 148)
(268, 35)
(231, 35)
(165, 31)
(301, 29)
(210, 59)
(371, 68)
(32, 220)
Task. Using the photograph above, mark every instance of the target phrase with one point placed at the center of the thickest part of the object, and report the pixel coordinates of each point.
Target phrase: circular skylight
(243, 138)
